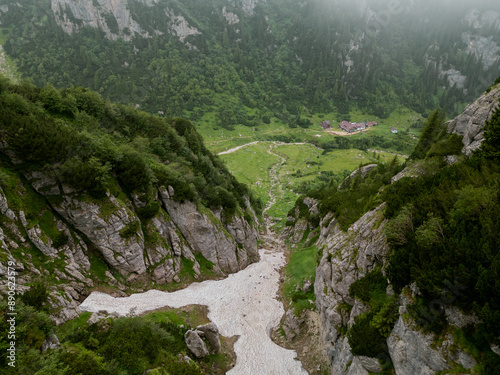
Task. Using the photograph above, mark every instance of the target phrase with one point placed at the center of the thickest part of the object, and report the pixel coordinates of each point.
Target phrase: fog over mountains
(277, 56)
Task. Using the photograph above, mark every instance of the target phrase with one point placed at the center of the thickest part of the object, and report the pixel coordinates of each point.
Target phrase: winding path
(276, 189)
(277, 143)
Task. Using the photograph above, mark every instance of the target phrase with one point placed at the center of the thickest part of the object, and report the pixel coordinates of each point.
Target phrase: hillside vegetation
(96, 146)
(96, 195)
(443, 234)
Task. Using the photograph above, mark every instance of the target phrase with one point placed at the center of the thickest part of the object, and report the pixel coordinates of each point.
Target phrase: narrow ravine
(243, 304)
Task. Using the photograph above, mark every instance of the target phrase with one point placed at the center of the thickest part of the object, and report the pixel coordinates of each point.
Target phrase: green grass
(218, 140)
(301, 267)
(304, 164)
(97, 267)
(72, 325)
(251, 166)
(4, 35)
(188, 316)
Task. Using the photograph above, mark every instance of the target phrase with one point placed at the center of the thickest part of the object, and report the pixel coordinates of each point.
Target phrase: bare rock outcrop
(348, 256)
(471, 122)
(211, 334)
(195, 343)
(106, 229)
(207, 236)
(411, 351)
(77, 228)
(110, 16)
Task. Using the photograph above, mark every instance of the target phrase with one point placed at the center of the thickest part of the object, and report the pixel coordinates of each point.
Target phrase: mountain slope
(407, 279)
(96, 194)
(246, 61)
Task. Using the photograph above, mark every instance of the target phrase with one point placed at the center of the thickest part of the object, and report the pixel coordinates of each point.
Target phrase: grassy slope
(218, 140)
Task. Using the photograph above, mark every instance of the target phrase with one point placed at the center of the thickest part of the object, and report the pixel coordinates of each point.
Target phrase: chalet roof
(326, 124)
(352, 126)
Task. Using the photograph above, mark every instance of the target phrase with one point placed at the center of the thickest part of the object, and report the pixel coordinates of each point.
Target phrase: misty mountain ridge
(277, 56)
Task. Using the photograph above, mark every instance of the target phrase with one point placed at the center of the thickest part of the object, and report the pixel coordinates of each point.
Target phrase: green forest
(286, 60)
(99, 147)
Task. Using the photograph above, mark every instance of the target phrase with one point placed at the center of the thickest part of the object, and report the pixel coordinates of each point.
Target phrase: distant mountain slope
(283, 58)
(96, 194)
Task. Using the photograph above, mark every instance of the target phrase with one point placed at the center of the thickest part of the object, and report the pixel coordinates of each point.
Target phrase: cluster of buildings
(356, 126)
(350, 126)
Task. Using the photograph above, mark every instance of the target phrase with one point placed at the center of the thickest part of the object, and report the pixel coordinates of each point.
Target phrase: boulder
(51, 342)
(195, 343)
(211, 334)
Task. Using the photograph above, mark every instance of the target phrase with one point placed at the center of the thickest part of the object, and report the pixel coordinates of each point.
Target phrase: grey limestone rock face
(124, 254)
(207, 236)
(51, 342)
(343, 361)
(458, 319)
(299, 230)
(346, 257)
(4, 206)
(471, 122)
(291, 325)
(411, 351)
(245, 235)
(370, 364)
(112, 226)
(87, 14)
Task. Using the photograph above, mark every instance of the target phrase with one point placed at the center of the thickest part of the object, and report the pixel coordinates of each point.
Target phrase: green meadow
(304, 166)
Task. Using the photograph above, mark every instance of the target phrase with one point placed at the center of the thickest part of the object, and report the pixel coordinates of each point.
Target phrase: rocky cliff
(347, 257)
(116, 19)
(121, 237)
(77, 242)
(470, 123)
(351, 258)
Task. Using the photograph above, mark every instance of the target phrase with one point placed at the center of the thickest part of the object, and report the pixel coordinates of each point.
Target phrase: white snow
(243, 304)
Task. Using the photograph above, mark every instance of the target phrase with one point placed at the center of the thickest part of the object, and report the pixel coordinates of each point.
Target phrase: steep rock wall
(105, 241)
(470, 123)
(347, 257)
